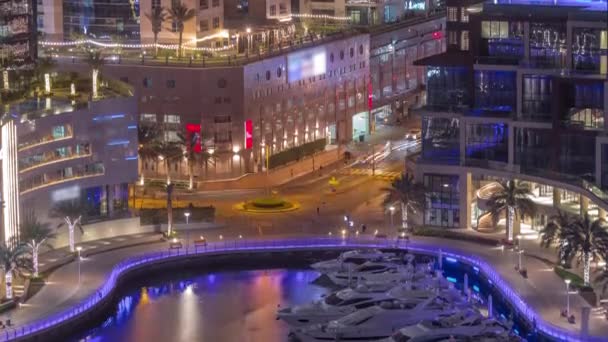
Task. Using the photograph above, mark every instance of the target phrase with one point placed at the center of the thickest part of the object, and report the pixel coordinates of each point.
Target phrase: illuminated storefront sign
(248, 134)
(193, 134)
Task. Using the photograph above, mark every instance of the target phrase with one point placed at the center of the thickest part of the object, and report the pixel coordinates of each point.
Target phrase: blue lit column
(10, 180)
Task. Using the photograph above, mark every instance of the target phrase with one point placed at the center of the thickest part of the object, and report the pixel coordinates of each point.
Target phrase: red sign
(248, 134)
(437, 35)
(370, 95)
(193, 134)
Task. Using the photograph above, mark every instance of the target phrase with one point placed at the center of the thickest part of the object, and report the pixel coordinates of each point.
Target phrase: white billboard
(306, 63)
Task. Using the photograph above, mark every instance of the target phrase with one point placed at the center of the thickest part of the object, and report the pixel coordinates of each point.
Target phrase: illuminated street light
(392, 210)
(78, 249)
(187, 214)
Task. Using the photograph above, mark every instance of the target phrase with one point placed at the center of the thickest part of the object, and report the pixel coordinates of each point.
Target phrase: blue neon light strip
(452, 280)
(108, 117)
(476, 268)
(128, 264)
(475, 288)
(131, 158)
(450, 259)
(132, 127)
(118, 142)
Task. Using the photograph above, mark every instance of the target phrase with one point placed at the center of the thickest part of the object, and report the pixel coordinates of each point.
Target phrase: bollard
(465, 287)
(490, 306)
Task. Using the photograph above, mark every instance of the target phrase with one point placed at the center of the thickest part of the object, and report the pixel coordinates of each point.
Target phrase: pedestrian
(363, 228)
(317, 210)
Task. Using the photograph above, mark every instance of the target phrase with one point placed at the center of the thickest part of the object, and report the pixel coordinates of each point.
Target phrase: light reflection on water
(223, 306)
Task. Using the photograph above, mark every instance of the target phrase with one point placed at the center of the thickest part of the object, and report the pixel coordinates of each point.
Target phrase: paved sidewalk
(543, 290)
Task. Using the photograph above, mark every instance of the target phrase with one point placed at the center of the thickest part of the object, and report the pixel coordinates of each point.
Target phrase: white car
(412, 134)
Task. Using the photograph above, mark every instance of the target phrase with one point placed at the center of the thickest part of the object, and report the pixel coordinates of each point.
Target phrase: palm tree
(514, 198)
(408, 193)
(553, 232)
(157, 18)
(71, 211)
(147, 136)
(95, 60)
(584, 239)
(13, 258)
(43, 68)
(179, 14)
(36, 235)
(189, 143)
(167, 150)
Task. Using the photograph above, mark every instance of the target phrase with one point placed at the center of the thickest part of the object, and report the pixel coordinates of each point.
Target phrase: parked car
(413, 134)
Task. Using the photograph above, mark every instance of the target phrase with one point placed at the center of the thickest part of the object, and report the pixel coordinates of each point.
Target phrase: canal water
(236, 305)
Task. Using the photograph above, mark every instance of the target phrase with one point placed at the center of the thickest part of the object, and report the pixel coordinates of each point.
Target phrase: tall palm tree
(188, 143)
(71, 211)
(36, 235)
(167, 151)
(407, 193)
(514, 198)
(147, 137)
(553, 232)
(95, 60)
(157, 17)
(13, 259)
(42, 71)
(179, 14)
(586, 239)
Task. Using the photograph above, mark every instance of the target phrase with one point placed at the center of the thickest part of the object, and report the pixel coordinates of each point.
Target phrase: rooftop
(541, 6)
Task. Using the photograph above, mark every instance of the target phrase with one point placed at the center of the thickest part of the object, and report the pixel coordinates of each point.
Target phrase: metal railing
(241, 245)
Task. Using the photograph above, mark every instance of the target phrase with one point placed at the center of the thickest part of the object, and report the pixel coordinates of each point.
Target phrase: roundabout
(267, 205)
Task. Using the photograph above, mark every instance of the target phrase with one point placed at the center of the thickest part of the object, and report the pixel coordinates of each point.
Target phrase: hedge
(296, 153)
(159, 216)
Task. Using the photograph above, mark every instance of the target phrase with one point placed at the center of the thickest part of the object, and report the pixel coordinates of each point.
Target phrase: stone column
(557, 198)
(583, 204)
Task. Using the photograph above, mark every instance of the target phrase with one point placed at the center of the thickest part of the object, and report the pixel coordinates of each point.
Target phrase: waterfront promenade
(543, 290)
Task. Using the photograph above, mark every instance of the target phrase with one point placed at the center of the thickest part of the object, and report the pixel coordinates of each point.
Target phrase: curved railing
(131, 263)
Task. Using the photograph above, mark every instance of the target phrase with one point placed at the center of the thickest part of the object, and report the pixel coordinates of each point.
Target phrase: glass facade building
(17, 32)
(117, 20)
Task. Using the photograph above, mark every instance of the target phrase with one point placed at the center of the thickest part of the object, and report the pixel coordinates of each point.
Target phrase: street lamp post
(519, 263)
(567, 281)
(78, 249)
(392, 210)
(187, 214)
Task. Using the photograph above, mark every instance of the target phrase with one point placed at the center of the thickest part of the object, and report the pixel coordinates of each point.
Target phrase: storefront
(360, 126)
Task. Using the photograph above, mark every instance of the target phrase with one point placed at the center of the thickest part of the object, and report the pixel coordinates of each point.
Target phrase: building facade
(521, 93)
(72, 151)
(17, 32)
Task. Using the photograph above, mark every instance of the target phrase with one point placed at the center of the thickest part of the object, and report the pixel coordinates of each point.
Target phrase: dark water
(237, 305)
(224, 307)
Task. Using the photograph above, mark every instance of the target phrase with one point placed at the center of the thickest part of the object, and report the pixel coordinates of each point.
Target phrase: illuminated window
(145, 117)
(273, 10)
(464, 40)
(452, 13)
(172, 118)
(216, 22)
(494, 29)
(464, 15)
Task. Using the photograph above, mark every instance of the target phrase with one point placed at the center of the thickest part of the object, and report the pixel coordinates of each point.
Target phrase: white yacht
(374, 272)
(351, 259)
(468, 326)
(379, 321)
(343, 302)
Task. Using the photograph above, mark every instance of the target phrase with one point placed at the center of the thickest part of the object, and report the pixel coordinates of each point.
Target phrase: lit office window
(452, 13)
(172, 118)
(464, 15)
(464, 40)
(147, 117)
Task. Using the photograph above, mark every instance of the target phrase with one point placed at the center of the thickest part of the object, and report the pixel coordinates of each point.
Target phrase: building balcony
(47, 180)
(47, 139)
(53, 159)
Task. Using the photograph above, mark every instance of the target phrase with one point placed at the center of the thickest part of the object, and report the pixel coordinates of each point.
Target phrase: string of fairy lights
(187, 44)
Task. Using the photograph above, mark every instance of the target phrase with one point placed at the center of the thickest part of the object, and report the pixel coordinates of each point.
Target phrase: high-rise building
(520, 94)
(17, 32)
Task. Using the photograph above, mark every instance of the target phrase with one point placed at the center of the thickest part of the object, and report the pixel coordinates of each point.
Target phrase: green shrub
(268, 202)
(159, 216)
(296, 153)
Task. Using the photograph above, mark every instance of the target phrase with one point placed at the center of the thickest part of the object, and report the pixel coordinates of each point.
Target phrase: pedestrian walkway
(378, 174)
(73, 282)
